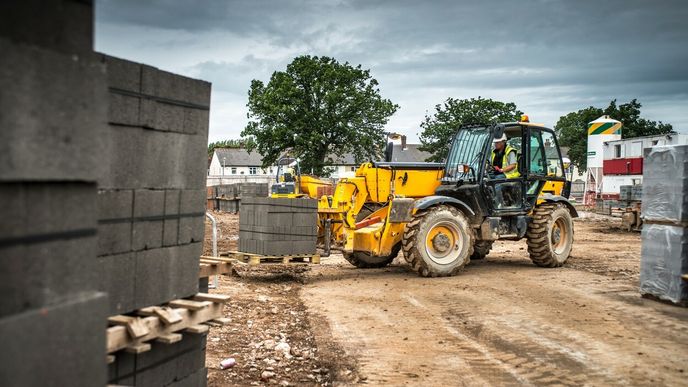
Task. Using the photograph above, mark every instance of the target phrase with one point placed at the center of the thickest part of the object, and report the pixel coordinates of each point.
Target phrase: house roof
(238, 157)
(410, 154)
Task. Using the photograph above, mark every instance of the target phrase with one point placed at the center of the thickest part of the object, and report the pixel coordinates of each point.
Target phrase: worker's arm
(513, 163)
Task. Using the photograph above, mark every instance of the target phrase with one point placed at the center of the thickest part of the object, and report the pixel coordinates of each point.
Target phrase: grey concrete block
(172, 201)
(175, 87)
(59, 99)
(197, 379)
(203, 285)
(114, 238)
(124, 109)
(187, 264)
(115, 204)
(64, 26)
(149, 202)
(143, 165)
(62, 344)
(147, 235)
(116, 278)
(305, 218)
(304, 247)
(192, 201)
(170, 233)
(122, 74)
(191, 229)
(38, 274)
(44, 208)
(166, 273)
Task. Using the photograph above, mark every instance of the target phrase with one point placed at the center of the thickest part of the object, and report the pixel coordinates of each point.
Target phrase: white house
(237, 162)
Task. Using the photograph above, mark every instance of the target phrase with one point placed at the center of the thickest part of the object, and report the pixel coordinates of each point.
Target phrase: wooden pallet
(257, 259)
(211, 266)
(164, 324)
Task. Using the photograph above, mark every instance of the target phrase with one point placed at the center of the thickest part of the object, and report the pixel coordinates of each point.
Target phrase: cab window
(544, 154)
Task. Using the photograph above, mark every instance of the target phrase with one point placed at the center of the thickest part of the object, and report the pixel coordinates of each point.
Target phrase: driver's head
(500, 143)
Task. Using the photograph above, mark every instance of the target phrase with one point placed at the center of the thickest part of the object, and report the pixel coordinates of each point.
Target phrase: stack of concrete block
(664, 255)
(175, 365)
(246, 190)
(270, 226)
(151, 199)
(151, 204)
(52, 108)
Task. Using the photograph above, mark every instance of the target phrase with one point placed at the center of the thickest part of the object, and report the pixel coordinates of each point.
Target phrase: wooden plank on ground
(166, 314)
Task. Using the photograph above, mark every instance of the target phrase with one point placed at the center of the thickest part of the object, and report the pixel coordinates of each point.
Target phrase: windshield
(466, 150)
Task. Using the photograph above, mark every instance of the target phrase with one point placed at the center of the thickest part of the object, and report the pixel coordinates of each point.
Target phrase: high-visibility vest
(513, 173)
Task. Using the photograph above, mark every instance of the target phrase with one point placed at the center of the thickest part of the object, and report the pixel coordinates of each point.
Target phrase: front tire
(550, 235)
(438, 242)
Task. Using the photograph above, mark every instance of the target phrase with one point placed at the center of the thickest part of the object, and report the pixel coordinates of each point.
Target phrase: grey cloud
(594, 50)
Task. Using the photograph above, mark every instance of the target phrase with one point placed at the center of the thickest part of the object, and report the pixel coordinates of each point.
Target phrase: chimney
(403, 143)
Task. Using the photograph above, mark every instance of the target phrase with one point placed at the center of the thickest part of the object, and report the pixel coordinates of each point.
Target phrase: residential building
(237, 162)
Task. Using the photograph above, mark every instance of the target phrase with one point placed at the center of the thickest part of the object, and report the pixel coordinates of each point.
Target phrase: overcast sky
(550, 57)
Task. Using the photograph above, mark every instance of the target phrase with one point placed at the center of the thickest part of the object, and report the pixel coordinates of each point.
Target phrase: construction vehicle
(290, 183)
(444, 216)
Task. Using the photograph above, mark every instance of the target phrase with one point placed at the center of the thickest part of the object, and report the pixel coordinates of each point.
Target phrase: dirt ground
(501, 321)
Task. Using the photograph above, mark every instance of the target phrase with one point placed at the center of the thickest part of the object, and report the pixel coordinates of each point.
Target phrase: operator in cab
(504, 159)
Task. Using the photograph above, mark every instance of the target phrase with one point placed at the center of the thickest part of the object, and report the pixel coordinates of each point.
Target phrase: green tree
(572, 128)
(316, 108)
(439, 128)
(231, 143)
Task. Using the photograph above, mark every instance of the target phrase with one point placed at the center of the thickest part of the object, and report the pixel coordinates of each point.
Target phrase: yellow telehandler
(444, 215)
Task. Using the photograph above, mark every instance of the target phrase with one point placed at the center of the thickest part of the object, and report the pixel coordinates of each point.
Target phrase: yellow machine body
(379, 187)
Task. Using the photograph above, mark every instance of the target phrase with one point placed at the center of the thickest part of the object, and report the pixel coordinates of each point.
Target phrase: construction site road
(502, 320)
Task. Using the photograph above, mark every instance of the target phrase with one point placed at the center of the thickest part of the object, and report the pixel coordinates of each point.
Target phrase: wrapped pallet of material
(664, 259)
(665, 184)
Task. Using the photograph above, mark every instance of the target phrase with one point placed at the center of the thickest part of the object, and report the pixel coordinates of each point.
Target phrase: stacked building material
(52, 108)
(227, 198)
(151, 203)
(664, 255)
(278, 226)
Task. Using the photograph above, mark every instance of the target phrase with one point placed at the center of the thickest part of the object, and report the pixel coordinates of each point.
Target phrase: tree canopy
(231, 143)
(317, 107)
(439, 129)
(572, 128)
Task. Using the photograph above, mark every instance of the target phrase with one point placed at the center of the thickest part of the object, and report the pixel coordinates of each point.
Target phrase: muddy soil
(501, 321)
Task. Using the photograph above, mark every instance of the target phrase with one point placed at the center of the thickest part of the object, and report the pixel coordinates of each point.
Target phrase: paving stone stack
(52, 109)
(270, 226)
(664, 255)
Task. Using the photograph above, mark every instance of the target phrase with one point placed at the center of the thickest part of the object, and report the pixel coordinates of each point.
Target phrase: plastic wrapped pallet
(665, 184)
(664, 259)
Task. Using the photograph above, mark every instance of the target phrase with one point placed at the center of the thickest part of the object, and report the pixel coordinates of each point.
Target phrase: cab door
(544, 169)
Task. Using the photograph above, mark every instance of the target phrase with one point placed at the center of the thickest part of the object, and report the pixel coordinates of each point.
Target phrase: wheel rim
(559, 236)
(443, 243)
